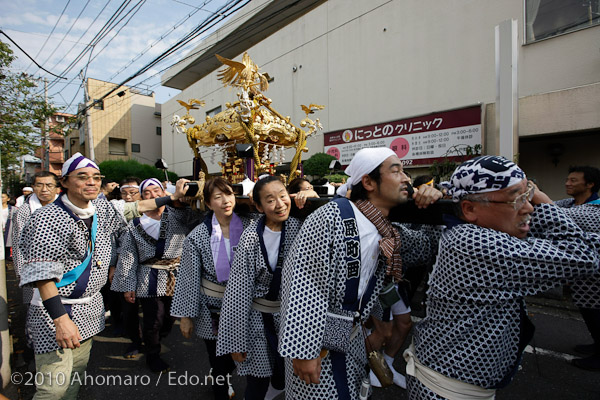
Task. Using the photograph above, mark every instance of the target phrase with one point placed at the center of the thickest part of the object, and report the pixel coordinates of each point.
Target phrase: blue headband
(483, 174)
(149, 182)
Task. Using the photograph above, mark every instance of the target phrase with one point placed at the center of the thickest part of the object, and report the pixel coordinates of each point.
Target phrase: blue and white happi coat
(21, 217)
(475, 300)
(137, 247)
(54, 242)
(241, 327)
(314, 281)
(585, 292)
(196, 264)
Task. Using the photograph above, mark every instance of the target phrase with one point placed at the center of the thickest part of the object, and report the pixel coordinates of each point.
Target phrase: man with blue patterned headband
(65, 250)
(149, 257)
(507, 243)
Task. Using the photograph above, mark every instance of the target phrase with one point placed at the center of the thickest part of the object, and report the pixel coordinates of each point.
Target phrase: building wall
(379, 60)
(129, 117)
(143, 129)
(113, 121)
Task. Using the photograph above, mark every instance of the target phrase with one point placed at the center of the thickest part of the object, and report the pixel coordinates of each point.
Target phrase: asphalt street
(545, 373)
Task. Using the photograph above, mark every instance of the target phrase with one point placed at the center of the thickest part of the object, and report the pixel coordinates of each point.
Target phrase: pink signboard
(417, 141)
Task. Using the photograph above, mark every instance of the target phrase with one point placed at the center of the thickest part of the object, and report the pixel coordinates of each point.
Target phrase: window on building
(213, 112)
(135, 148)
(98, 104)
(547, 18)
(117, 146)
(60, 118)
(158, 131)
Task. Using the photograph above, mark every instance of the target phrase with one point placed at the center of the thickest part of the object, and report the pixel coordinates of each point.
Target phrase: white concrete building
(376, 61)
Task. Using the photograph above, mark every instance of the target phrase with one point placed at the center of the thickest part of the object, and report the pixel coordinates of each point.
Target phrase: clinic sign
(417, 141)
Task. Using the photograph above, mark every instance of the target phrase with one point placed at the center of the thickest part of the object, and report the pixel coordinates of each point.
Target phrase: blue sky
(149, 31)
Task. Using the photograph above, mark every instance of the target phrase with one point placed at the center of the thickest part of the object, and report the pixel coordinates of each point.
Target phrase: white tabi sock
(374, 380)
(272, 393)
(399, 379)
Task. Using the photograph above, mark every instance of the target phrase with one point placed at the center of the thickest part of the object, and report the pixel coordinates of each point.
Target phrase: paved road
(545, 373)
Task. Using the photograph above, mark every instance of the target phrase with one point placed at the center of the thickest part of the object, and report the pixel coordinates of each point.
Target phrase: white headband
(363, 163)
(130, 186)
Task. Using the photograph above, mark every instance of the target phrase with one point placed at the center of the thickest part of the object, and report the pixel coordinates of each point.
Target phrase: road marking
(550, 353)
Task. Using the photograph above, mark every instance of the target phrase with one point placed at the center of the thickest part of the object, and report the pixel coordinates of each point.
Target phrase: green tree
(22, 109)
(318, 164)
(118, 170)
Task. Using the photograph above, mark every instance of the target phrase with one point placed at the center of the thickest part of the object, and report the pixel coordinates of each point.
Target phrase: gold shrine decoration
(250, 120)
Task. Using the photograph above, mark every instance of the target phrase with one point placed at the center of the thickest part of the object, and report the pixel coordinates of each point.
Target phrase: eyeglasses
(85, 178)
(519, 202)
(126, 193)
(50, 186)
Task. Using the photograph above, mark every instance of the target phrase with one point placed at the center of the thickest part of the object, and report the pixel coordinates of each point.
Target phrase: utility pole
(88, 122)
(45, 138)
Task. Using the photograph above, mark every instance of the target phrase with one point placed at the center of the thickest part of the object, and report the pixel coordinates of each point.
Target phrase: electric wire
(162, 37)
(95, 40)
(28, 56)
(69, 31)
(51, 32)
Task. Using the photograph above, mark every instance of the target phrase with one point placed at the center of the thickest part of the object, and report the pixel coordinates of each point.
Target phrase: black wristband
(54, 307)
(162, 201)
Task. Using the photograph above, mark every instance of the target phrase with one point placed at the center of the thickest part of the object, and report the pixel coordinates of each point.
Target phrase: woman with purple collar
(205, 264)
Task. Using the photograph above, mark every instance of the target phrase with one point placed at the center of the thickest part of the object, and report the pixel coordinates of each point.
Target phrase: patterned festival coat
(54, 242)
(196, 264)
(585, 292)
(21, 217)
(472, 331)
(241, 327)
(314, 282)
(137, 247)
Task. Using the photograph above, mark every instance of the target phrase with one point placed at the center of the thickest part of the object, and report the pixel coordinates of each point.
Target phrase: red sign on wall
(416, 141)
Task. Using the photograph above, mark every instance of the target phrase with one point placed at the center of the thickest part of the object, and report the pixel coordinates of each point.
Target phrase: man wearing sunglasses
(66, 249)
(507, 243)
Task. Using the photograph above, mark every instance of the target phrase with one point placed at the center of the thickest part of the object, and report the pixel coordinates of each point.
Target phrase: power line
(69, 31)
(28, 56)
(95, 40)
(51, 32)
(163, 36)
(86, 31)
(208, 23)
(196, 32)
(139, 6)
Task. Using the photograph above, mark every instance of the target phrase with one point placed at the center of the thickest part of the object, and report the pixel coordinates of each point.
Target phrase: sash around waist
(164, 264)
(266, 306)
(441, 384)
(36, 300)
(212, 289)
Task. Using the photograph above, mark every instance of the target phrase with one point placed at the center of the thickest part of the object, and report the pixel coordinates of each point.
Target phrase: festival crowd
(316, 305)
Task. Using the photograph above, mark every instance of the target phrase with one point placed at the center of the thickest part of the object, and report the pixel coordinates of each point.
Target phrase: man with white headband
(149, 257)
(507, 243)
(27, 190)
(66, 248)
(334, 273)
